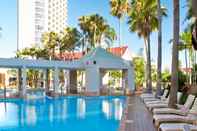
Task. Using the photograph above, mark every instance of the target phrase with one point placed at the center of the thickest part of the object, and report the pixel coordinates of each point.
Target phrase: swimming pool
(62, 114)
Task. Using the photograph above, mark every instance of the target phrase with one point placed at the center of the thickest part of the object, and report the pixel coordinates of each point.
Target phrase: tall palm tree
(159, 55)
(175, 56)
(50, 41)
(186, 45)
(96, 29)
(70, 39)
(118, 9)
(143, 20)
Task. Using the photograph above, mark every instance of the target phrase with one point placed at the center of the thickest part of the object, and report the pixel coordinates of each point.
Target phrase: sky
(77, 8)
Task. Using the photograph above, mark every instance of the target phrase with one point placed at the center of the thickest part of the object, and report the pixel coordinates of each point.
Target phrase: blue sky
(77, 8)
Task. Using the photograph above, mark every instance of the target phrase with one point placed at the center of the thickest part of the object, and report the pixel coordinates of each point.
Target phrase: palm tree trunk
(159, 57)
(149, 66)
(186, 65)
(53, 53)
(146, 65)
(60, 56)
(175, 56)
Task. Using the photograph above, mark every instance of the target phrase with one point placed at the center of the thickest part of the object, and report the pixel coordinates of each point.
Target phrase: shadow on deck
(136, 117)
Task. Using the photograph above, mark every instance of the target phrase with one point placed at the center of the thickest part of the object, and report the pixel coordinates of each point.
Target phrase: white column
(92, 79)
(24, 81)
(125, 78)
(44, 78)
(130, 79)
(56, 80)
(102, 74)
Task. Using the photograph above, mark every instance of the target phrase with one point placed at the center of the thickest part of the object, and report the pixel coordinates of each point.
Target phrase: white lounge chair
(163, 97)
(161, 104)
(191, 117)
(147, 95)
(182, 110)
(164, 100)
(177, 127)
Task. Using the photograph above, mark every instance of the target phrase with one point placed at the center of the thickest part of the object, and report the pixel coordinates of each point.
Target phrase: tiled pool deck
(136, 117)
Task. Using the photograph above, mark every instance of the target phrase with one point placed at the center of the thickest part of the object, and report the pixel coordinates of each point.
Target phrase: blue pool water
(62, 114)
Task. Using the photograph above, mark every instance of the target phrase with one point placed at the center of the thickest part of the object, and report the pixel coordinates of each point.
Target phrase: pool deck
(136, 117)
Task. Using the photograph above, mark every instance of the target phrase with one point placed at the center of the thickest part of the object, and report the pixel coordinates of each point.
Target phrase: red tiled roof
(118, 51)
(70, 56)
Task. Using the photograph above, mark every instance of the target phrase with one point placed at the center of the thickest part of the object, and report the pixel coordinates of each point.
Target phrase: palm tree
(50, 41)
(192, 12)
(174, 68)
(118, 9)
(186, 45)
(143, 20)
(159, 57)
(96, 29)
(109, 36)
(70, 40)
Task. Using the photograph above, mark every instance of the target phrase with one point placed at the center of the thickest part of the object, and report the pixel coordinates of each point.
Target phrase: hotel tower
(38, 16)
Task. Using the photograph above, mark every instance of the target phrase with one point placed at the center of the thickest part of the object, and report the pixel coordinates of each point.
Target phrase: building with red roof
(122, 52)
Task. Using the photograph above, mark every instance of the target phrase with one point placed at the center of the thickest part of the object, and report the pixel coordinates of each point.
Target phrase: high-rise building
(38, 16)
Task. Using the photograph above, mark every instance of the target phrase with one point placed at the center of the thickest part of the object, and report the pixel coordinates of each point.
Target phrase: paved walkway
(136, 116)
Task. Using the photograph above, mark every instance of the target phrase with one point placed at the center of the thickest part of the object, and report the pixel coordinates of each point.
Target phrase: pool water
(62, 114)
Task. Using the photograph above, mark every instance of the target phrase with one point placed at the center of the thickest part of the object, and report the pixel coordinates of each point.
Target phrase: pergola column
(93, 79)
(125, 78)
(23, 78)
(19, 77)
(45, 80)
(128, 79)
(56, 80)
(102, 74)
(73, 81)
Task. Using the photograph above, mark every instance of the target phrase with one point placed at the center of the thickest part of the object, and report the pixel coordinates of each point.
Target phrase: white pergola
(99, 60)
(93, 63)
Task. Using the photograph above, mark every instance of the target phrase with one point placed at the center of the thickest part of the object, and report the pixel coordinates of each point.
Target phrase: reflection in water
(118, 109)
(106, 108)
(81, 108)
(8, 114)
(31, 115)
(61, 114)
(51, 113)
(64, 109)
(111, 109)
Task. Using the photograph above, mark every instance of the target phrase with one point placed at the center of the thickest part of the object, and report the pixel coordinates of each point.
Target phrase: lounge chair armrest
(193, 112)
(159, 97)
(179, 106)
(163, 99)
